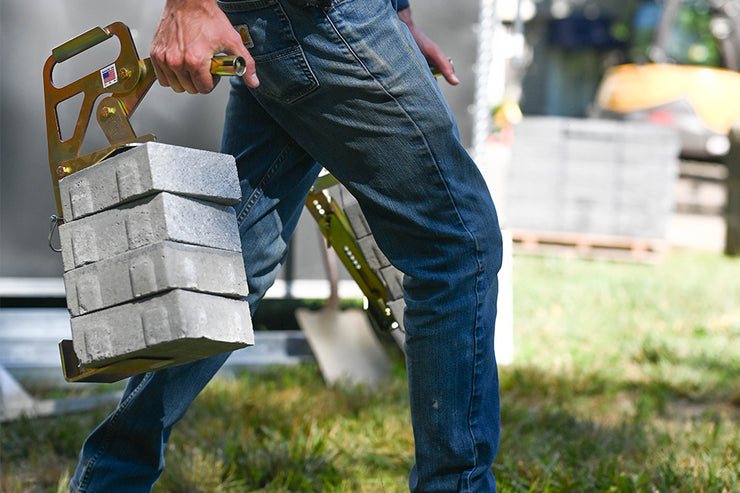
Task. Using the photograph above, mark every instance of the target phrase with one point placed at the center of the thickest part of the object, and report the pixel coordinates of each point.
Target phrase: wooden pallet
(587, 245)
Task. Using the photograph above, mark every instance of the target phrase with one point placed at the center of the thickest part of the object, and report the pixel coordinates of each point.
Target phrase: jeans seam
(468, 232)
(476, 358)
(89, 467)
(259, 189)
(418, 130)
(351, 50)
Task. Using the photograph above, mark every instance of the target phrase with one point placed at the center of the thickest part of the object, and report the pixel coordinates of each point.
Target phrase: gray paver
(393, 279)
(152, 269)
(397, 307)
(376, 260)
(161, 217)
(591, 176)
(148, 169)
(351, 208)
(180, 325)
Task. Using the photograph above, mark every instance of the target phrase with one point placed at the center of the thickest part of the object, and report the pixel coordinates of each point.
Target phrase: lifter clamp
(125, 82)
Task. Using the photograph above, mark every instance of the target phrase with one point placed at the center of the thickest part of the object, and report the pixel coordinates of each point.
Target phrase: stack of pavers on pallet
(590, 176)
(152, 257)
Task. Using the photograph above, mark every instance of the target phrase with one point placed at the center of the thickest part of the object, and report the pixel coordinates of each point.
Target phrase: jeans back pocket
(282, 68)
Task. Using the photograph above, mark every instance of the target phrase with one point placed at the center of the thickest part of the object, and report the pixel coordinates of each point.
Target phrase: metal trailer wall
(29, 29)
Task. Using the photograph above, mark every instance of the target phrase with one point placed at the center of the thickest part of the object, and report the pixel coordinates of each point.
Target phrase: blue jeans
(349, 89)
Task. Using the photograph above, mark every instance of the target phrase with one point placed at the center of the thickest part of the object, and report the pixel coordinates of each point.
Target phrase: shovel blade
(345, 346)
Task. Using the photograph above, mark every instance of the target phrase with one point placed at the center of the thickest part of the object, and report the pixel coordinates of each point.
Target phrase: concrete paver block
(374, 256)
(397, 307)
(393, 279)
(179, 325)
(157, 218)
(354, 214)
(152, 269)
(148, 169)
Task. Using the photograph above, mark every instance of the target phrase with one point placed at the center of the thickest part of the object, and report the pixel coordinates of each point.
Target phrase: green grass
(626, 379)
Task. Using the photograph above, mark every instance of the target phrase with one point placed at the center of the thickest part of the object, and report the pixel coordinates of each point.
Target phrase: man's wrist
(179, 4)
(405, 16)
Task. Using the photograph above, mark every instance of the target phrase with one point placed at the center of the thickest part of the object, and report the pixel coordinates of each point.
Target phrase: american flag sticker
(109, 75)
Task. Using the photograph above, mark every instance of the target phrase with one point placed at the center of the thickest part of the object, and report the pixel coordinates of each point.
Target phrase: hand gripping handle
(126, 81)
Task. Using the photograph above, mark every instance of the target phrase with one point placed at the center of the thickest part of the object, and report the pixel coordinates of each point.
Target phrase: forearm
(190, 8)
(189, 4)
(405, 16)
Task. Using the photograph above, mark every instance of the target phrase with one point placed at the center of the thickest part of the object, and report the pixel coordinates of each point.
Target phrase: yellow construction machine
(685, 76)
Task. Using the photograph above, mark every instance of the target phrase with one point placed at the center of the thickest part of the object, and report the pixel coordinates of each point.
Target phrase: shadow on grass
(285, 430)
(589, 432)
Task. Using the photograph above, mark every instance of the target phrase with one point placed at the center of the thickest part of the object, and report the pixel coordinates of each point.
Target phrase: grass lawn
(626, 379)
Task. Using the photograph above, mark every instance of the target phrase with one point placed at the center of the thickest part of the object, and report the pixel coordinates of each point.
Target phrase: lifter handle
(81, 43)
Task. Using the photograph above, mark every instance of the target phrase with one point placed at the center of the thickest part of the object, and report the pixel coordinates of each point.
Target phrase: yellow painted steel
(130, 80)
(74, 372)
(337, 230)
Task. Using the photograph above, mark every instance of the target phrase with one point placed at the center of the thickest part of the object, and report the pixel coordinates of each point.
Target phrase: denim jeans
(348, 88)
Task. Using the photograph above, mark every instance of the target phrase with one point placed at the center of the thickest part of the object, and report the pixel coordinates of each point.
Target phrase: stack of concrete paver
(391, 277)
(591, 176)
(152, 257)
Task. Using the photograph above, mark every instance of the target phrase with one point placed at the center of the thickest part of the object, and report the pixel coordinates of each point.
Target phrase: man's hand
(432, 52)
(189, 33)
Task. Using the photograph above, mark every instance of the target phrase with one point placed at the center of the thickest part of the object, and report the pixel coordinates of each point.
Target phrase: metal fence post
(732, 216)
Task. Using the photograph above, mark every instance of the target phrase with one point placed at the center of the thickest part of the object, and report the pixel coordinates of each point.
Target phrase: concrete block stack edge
(152, 256)
(591, 176)
(147, 169)
(391, 277)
